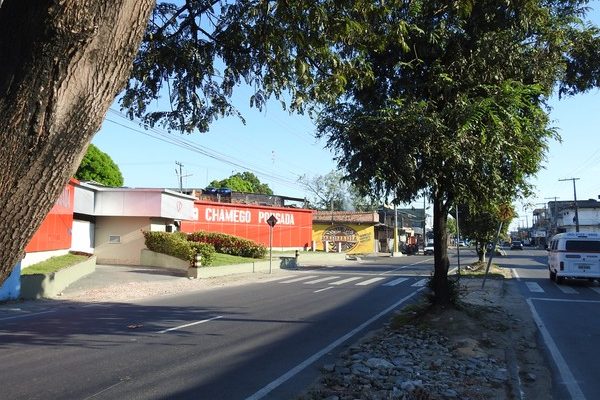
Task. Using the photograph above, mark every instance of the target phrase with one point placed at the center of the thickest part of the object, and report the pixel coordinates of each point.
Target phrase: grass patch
(226, 259)
(54, 264)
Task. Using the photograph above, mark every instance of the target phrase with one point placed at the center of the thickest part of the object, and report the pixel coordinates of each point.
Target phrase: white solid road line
(303, 278)
(191, 324)
(395, 282)
(310, 360)
(561, 365)
(369, 281)
(329, 278)
(345, 280)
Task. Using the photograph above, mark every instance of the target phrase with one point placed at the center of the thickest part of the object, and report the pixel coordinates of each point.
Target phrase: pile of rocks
(413, 363)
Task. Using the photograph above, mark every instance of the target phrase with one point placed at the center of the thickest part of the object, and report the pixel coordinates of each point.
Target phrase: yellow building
(351, 232)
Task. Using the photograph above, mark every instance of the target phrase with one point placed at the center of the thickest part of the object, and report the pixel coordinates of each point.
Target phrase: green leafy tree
(97, 166)
(245, 182)
(64, 63)
(456, 104)
(328, 192)
(481, 225)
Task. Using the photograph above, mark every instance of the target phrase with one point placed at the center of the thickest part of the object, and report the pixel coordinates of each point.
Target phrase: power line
(182, 143)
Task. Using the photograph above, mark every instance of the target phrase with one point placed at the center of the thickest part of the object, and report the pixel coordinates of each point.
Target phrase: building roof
(357, 217)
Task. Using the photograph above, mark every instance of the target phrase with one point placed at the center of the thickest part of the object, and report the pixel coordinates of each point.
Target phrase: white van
(574, 255)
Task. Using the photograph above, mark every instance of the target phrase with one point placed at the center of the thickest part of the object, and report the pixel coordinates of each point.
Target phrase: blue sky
(279, 148)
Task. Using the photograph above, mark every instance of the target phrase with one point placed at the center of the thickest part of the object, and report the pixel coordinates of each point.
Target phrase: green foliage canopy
(97, 166)
(457, 107)
(245, 182)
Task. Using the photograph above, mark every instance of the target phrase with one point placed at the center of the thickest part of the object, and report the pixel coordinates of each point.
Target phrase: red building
(292, 230)
(54, 235)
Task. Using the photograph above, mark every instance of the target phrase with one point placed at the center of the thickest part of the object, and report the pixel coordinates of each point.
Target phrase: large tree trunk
(62, 65)
(440, 234)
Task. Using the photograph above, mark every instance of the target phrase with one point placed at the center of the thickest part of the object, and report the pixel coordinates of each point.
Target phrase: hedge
(177, 245)
(228, 244)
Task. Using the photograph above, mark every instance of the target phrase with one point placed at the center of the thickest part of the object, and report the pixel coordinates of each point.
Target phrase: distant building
(562, 215)
(351, 232)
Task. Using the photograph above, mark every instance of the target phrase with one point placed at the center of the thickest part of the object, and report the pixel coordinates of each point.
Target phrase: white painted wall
(82, 238)
(39, 256)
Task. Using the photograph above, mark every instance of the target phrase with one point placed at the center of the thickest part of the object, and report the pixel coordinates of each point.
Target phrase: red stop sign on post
(272, 221)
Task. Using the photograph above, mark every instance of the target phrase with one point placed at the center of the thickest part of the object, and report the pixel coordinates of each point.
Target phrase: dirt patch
(495, 321)
(486, 348)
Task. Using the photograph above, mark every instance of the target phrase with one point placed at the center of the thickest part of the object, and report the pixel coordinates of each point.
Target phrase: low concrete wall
(150, 258)
(311, 258)
(258, 266)
(47, 285)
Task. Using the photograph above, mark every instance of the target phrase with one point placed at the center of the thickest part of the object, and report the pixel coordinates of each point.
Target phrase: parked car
(516, 245)
(462, 243)
(428, 250)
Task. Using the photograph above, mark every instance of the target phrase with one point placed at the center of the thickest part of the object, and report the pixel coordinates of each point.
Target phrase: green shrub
(229, 244)
(206, 251)
(176, 245)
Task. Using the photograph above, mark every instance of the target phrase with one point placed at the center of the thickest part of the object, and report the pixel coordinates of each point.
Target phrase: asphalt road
(568, 318)
(259, 340)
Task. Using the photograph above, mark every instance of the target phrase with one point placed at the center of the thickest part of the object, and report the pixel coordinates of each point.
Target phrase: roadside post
(271, 222)
(505, 214)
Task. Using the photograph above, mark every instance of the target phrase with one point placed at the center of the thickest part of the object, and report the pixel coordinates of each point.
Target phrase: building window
(114, 239)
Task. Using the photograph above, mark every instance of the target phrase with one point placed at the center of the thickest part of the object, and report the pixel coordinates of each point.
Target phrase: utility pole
(575, 199)
(555, 213)
(180, 175)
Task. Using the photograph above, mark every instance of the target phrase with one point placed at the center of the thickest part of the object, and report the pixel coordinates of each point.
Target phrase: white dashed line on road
(534, 287)
(369, 281)
(322, 290)
(395, 282)
(303, 278)
(190, 324)
(420, 283)
(567, 289)
(345, 280)
(329, 278)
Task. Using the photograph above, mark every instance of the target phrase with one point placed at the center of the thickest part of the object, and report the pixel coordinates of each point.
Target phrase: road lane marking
(345, 280)
(277, 278)
(26, 315)
(303, 278)
(420, 283)
(395, 282)
(322, 290)
(310, 360)
(566, 300)
(190, 324)
(328, 278)
(562, 366)
(567, 289)
(516, 274)
(596, 289)
(534, 287)
(369, 281)
(404, 266)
